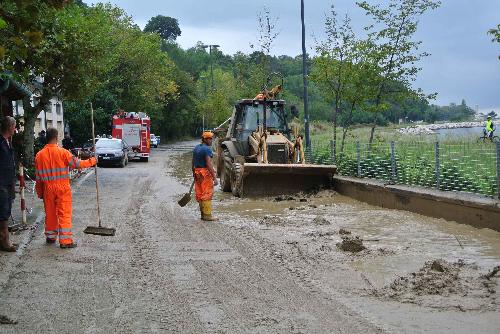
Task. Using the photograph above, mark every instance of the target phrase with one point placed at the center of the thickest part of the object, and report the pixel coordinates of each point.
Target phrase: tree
(139, 78)
(343, 71)
(21, 29)
(267, 36)
(395, 52)
(332, 67)
(64, 63)
(493, 114)
(165, 26)
(495, 32)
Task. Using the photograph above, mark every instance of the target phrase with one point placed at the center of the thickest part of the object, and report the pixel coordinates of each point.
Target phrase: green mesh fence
(465, 167)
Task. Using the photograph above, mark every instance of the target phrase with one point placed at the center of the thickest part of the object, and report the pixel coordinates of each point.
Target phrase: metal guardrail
(467, 167)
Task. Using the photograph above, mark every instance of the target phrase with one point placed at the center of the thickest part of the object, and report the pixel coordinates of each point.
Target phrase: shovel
(186, 198)
(98, 230)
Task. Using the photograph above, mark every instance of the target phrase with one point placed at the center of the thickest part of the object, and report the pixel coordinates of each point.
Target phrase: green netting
(466, 167)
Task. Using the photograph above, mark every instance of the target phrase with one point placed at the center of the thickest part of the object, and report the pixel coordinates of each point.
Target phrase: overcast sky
(464, 63)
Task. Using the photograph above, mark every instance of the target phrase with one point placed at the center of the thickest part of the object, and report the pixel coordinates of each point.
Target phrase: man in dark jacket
(67, 142)
(7, 181)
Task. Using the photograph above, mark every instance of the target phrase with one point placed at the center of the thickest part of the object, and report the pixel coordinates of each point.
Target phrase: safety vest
(53, 163)
(489, 125)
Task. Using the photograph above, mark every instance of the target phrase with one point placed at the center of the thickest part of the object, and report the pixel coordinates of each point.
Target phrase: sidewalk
(22, 235)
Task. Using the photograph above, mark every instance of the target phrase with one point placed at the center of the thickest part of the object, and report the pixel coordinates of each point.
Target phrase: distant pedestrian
(489, 128)
(52, 166)
(67, 142)
(42, 139)
(204, 175)
(7, 181)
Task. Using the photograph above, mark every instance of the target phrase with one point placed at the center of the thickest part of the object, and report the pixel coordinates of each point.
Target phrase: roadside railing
(466, 167)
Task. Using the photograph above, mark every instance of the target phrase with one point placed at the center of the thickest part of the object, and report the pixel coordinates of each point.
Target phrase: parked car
(154, 141)
(111, 152)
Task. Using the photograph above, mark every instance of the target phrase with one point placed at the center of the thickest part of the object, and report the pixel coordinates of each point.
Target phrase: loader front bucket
(278, 179)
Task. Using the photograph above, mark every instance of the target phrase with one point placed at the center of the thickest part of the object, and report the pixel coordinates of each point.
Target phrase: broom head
(106, 231)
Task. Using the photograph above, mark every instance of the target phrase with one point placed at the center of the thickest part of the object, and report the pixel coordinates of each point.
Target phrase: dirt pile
(443, 284)
(343, 231)
(320, 220)
(351, 244)
(272, 220)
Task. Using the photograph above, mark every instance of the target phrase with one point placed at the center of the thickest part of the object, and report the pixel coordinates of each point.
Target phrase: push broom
(99, 230)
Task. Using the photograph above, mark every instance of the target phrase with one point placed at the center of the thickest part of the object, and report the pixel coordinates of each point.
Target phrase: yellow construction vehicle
(258, 153)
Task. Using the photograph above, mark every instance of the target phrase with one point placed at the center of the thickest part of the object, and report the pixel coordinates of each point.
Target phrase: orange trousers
(57, 200)
(204, 184)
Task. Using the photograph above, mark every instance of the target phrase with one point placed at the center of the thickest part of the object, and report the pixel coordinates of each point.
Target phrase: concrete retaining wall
(475, 210)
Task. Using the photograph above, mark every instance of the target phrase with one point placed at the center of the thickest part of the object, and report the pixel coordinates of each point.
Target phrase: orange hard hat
(207, 135)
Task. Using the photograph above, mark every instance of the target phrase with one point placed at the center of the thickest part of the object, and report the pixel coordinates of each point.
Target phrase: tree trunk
(335, 113)
(30, 115)
(28, 137)
(372, 131)
(346, 128)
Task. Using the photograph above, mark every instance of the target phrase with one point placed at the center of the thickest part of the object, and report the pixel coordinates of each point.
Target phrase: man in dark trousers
(7, 181)
(67, 142)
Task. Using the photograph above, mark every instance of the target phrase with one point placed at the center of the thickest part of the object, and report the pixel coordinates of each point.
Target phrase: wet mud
(351, 244)
(406, 271)
(444, 285)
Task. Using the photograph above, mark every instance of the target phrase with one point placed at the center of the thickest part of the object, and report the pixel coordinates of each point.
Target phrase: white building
(51, 117)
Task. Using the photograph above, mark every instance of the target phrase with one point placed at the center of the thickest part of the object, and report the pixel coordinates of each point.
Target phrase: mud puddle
(349, 248)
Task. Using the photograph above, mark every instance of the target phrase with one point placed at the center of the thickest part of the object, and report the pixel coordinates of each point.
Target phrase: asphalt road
(165, 271)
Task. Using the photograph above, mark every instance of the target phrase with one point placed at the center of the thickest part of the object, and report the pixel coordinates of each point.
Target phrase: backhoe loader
(260, 155)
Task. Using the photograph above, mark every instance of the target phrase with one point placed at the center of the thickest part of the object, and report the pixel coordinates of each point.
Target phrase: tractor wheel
(225, 174)
(236, 179)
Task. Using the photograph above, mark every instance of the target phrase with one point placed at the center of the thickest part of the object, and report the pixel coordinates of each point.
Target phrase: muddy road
(319, 263)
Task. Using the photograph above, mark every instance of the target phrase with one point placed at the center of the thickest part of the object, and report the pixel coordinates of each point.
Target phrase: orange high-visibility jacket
(52, 165)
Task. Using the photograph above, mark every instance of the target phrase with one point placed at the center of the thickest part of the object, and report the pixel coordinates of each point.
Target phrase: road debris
(351, 244)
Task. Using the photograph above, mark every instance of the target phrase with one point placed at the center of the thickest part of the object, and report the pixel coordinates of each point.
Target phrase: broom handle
(191, 189)
(95, 166)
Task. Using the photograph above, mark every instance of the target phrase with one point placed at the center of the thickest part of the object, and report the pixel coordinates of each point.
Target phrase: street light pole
(304, 75)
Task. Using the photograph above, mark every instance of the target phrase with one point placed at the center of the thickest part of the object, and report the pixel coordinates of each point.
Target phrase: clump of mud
(343, 231)
(320, 220)
(351, 244)
(4, 320)
(442, 284)
(319, 234)
(272, 220)
(282, 198)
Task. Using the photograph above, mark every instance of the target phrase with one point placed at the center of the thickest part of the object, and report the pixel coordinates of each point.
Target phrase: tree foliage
(165, 26)
(495, 32)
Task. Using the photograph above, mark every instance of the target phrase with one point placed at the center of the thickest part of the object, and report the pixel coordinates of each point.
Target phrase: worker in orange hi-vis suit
(52, 165)
(204, 175)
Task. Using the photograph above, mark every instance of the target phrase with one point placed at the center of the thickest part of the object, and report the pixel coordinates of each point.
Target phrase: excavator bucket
(278, 179)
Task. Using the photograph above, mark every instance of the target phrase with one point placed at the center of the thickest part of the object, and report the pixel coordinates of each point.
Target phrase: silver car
(111, 152)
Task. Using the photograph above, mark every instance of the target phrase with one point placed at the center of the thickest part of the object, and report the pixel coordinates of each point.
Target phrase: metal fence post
(498, 170)
(393, 163)
(438, 168)
(333, 147)
(358, 157)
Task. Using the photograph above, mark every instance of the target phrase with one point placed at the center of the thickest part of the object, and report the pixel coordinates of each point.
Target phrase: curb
(15, 259)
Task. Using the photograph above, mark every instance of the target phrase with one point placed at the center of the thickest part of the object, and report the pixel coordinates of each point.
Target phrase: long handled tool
(99, 230)
(186, 198)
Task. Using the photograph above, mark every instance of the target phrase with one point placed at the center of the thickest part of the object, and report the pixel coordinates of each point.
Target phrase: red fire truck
(134, 129)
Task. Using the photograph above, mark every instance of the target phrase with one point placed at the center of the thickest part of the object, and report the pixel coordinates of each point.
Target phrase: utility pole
(304, 74)
(210, 46)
